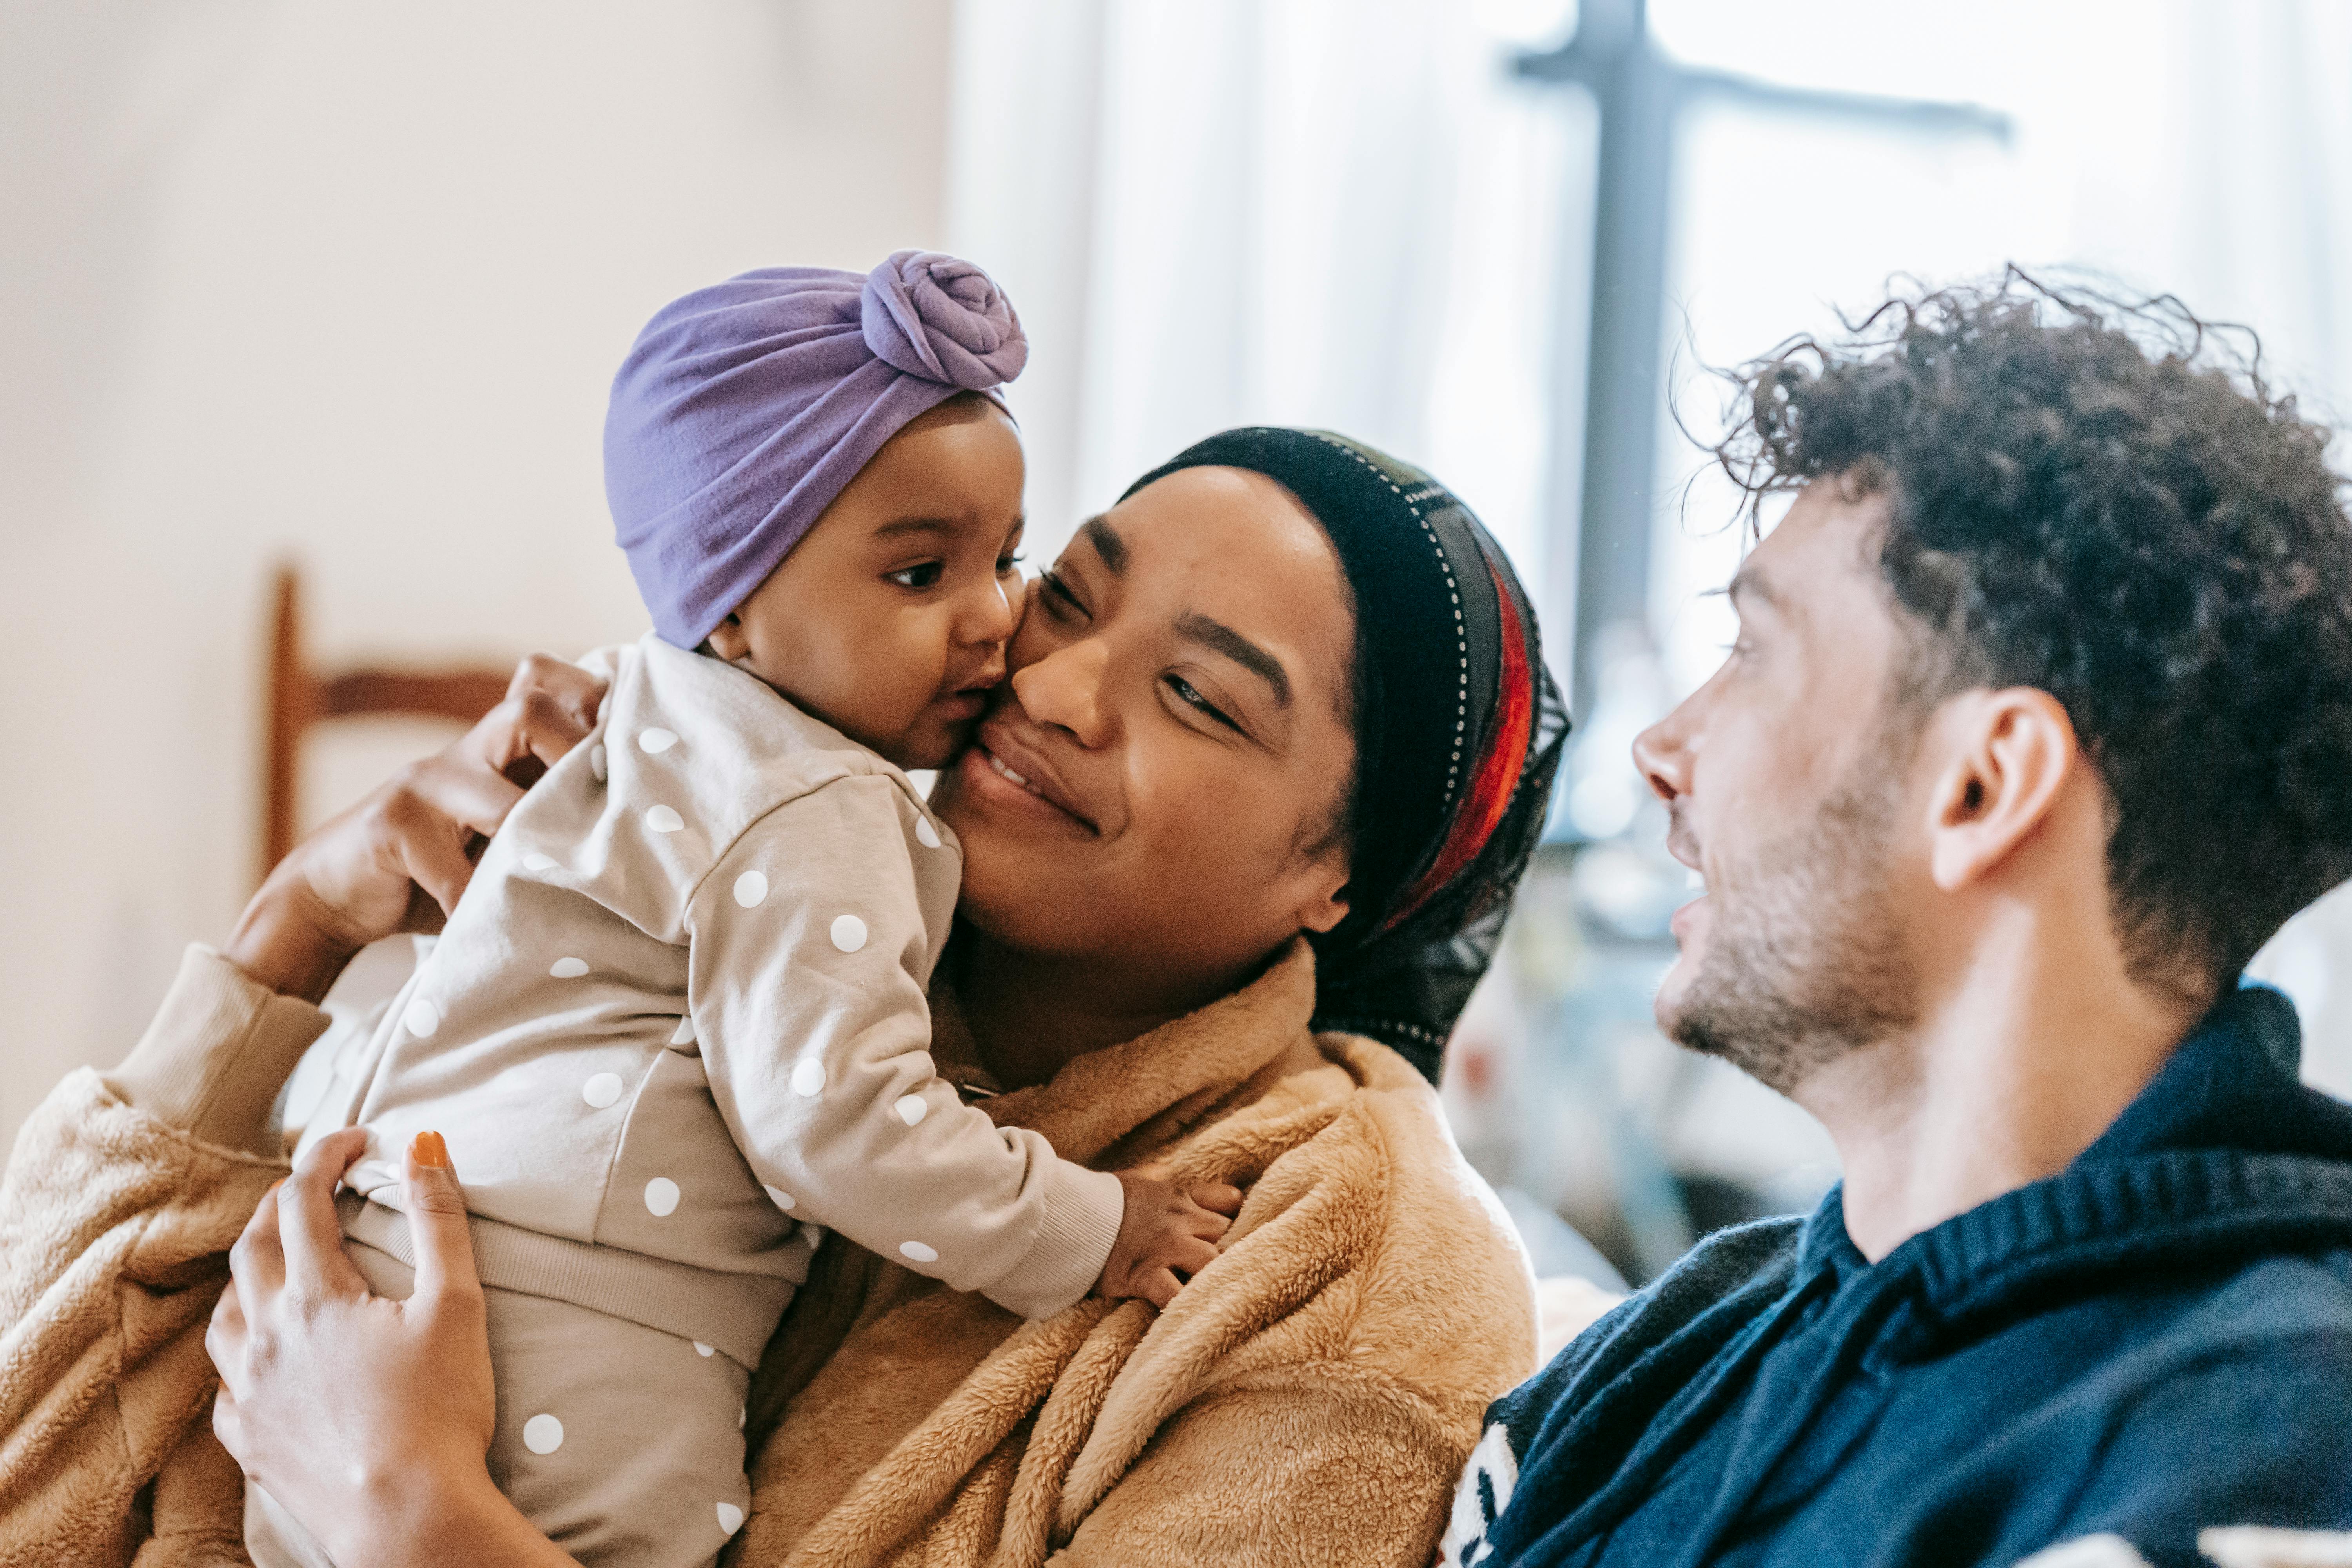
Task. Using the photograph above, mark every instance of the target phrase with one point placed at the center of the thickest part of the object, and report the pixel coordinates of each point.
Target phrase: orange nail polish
(428, 1150)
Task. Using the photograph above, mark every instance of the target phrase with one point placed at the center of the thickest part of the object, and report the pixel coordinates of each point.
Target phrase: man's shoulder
(1712, 1292)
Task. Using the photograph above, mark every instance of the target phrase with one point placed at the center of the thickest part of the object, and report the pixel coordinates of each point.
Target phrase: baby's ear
(726, 640)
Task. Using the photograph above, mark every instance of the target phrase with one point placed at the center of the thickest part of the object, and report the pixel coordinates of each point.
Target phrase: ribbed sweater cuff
(1082, 1209)
(212, 1062)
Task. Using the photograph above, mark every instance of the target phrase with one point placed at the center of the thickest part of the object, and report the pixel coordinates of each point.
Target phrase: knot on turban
(944, 320)
(745, 408)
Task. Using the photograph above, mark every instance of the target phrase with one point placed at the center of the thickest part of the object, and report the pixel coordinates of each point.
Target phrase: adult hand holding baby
(323, 1381)
(398, 860)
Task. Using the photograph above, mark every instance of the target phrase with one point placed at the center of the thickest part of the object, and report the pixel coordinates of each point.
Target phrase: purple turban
(744, 409)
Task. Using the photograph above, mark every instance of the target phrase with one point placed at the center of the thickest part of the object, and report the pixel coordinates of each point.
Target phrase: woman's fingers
(436, 1226)
(258, 1262)
(226, 1426)
(224, 1337)
(309, 1231)
(551, 706)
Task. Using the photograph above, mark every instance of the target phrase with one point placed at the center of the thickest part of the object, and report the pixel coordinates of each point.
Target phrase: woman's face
(1148, 789)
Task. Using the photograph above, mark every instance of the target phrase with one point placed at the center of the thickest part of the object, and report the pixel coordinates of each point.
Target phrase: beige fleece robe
(1309, 1399)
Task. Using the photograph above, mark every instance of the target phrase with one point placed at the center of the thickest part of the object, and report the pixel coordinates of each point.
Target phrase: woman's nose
(1065, 689)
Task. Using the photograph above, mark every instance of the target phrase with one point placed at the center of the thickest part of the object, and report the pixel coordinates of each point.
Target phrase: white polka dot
(808, 1079)
(781, 1198)
(749, 889)
(912, 1108)
(919, 1252)
(602, 1090)
(421, 1016)
(848, 933)
(730, 1518)
(662, 819)
(654, 742)
(701, 1350)
(661, 1197)
(535, 861)
(596, 763)
(568, 968)
(542, 1433)
(925, 833)
(685, 1035)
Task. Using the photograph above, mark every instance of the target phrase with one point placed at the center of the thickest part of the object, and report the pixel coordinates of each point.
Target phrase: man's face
(1786, 779)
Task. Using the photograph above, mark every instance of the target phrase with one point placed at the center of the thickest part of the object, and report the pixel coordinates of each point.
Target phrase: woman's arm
(124, 1191)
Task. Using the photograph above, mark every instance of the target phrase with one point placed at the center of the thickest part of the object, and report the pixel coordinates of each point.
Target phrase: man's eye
(1005, 563)
(1189, 694)
(926, 575)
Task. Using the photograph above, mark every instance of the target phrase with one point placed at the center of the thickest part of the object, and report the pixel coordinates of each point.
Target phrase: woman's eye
(1005, 563)
(926, 575)
(1058, 592)
(1189, 695)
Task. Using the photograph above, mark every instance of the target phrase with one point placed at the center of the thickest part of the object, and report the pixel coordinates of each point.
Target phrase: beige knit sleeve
(809, 956)
(117, 1211)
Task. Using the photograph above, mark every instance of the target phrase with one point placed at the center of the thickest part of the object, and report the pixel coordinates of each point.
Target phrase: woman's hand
(366, 1419)
(399, 860)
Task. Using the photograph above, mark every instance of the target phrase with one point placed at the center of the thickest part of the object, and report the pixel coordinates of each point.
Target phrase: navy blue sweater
(2157, 1339)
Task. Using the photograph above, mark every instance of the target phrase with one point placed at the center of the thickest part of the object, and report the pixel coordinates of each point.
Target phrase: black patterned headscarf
(1458, 733)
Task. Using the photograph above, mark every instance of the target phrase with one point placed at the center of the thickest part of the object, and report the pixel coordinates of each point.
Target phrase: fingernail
(428, 1150)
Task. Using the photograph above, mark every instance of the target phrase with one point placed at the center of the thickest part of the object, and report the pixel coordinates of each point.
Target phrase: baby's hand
(1168, 1234)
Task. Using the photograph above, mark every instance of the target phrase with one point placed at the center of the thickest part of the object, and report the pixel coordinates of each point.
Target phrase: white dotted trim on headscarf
(1370, 1028)
(1453, 590)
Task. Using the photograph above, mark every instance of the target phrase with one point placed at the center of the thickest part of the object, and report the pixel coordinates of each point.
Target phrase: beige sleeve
(809, 957)
(117, 1212)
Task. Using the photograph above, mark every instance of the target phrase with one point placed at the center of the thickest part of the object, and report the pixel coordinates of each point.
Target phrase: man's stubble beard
(1806, 964)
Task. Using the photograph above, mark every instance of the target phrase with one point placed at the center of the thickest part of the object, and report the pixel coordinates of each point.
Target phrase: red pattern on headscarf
(1481, 807)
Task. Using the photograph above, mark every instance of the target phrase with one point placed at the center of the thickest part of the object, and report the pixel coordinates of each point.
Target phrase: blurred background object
(347, 286)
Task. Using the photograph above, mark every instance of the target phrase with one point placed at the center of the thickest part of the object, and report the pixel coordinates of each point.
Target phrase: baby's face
(889, 619)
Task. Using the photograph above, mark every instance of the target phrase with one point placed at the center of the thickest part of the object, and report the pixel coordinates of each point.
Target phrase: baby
(677, 1022)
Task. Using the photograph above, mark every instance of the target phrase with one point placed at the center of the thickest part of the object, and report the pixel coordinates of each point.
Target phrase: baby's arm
(808, 949)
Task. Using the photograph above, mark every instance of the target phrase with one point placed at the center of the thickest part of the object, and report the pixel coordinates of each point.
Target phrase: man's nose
(1065, 689)
(1662, 754)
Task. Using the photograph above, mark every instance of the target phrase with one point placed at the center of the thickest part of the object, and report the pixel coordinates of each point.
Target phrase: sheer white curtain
(1339, 213)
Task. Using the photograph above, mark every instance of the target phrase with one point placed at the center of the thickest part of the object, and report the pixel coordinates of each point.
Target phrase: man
(2039, 724)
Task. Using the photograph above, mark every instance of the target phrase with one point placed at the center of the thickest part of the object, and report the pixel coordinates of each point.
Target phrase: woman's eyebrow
(1221, 638)
(1106, 543)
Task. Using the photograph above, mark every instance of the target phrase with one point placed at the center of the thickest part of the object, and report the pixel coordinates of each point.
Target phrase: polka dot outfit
(675, 1031)
(624, 1444)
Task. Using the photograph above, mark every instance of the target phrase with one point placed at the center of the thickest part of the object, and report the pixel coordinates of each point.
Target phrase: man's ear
(2009, 755)
(726, 639)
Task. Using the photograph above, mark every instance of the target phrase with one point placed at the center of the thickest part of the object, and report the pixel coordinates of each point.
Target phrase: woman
(1237, 838)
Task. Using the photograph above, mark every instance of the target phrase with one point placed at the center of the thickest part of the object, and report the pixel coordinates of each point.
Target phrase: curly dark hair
(2103, 499)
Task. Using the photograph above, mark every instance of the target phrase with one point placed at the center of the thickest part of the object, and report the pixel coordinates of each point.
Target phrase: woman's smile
(1030, 787)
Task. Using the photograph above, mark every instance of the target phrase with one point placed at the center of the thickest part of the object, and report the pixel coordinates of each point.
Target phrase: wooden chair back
(299, 698)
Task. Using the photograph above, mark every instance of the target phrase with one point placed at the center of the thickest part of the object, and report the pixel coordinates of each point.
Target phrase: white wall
(349, 283)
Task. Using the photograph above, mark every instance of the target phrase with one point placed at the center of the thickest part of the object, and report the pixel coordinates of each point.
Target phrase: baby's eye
(926, 575)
